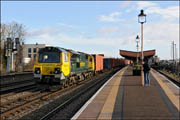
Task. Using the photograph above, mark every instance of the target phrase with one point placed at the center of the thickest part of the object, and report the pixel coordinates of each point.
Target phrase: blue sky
(97, 27)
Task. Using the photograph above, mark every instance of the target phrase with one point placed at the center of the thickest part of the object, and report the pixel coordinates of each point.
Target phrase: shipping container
(127, 62)
(116, 62)
(121, 62)
(98, 62)
(113, 63)
(107, 63)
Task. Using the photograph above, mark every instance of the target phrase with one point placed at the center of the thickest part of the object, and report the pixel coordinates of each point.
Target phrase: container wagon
(107, 63)
(98, 61)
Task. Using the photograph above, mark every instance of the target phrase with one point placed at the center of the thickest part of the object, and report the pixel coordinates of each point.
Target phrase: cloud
(156, 36)
(102, 44)
(109, 30)
(159, 36)
(70, 28)
(145, 4)
(170, 13)
(113, 17)
(161, 33)
(49, 29)
(50, 35)
(154, 33)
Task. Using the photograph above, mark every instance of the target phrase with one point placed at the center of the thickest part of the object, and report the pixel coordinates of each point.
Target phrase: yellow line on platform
(107, 110)
(174, 99)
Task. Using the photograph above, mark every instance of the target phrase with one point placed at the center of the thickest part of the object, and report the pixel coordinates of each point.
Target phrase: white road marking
(92, 98)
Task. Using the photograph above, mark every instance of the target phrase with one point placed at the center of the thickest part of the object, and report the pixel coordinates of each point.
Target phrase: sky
(97, 27)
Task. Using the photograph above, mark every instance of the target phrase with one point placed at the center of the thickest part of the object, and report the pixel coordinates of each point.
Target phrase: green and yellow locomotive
(62, 66)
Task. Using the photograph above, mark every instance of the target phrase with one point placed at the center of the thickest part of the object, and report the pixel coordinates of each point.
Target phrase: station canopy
(130, 55)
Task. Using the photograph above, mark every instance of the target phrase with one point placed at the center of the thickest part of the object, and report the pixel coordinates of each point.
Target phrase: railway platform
(123, 97)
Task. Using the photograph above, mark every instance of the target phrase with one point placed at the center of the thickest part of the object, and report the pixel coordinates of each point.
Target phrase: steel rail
(22, 106)
(15, 83)
(18, 91)
(9, 102)
(28, 103)
(36, 100)
(7, 88)
(170, 78)
(67, 102)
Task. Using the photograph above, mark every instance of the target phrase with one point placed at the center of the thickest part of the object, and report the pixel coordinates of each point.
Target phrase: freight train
(55, 65)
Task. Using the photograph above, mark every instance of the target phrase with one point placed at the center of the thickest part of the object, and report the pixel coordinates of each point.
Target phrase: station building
(30, 51)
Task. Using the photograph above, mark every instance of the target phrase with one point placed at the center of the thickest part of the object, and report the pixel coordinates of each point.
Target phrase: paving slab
(124, 97)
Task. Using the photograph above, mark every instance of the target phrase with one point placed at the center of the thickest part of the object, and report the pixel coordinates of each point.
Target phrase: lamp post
(142, 20)
(137, 40)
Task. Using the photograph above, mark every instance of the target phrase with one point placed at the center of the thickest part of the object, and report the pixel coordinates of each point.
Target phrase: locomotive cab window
(49, 57)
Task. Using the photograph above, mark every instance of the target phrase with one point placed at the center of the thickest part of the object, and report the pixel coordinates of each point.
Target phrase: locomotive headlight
(56, 70)
(37, 70)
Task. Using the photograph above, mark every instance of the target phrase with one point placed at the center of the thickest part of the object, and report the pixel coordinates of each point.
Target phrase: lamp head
(142, 17)
(137, 38)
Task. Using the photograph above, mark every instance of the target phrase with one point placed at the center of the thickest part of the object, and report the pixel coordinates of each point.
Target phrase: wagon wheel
(83, 77)
(70, 81)
(63, 84)
(67, 82)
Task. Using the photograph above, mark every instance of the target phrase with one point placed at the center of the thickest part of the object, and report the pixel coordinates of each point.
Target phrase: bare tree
(2, 44)
(13, 30)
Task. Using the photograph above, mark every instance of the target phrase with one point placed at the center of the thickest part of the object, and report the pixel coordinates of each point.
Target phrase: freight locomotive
(55, 65)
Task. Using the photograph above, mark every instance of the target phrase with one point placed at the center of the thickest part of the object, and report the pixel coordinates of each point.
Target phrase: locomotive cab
(52, 65)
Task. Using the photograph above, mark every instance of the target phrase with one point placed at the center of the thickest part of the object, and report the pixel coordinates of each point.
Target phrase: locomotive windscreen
(49, 57)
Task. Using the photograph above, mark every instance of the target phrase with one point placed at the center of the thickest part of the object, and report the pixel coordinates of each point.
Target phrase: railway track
(14, 103)
(11, 108)
(170, 78)
(14, 98)
(14, 86)
(69, 107)
(19, 90)
(16, 108)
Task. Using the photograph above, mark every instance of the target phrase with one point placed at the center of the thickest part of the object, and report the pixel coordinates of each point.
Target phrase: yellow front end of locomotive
(57, 71)
(47, 68)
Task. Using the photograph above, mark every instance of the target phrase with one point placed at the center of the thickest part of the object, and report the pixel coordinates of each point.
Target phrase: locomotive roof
(60, 49)
(75, 52)
(72, 51)
(83, 53)
(50, 48)
(68, 50)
